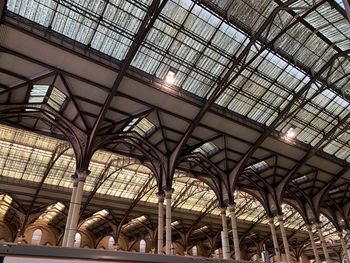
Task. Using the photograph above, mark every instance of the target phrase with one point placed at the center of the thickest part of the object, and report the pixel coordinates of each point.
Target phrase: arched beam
(146, 25)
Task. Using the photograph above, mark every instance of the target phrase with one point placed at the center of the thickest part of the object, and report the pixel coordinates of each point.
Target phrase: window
(111, 242)
(142, 246)
(36, 238)
(194, 251)
(77, 240)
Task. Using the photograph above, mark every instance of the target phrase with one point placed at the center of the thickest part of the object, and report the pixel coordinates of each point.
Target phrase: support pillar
(70, 210)
(323, 243)
(160, 222)
(313, 244)
(274, 239)
(224, 235)
(76, 208)
(168, 194)
(343, 245)
(235, 231)
(284, 239)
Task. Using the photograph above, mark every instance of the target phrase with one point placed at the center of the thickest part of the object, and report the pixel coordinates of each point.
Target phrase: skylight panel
(56, 99)
(144, 127)
(259, 167)
(141, 126)
(38, 11)
(300, 179)
(38, 93)
(207, 149)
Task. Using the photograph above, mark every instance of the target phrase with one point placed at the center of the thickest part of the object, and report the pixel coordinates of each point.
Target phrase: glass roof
(292, 219)
(199, 46)
(328, 230)
(25, 155)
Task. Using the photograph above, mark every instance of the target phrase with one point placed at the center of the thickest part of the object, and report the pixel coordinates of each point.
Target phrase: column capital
(168, 192)
(82, 174)
(160, 196)
(318, 226)
(223, 210)
(74, 178)
(309, 227)
(280, 218)
(232, 207)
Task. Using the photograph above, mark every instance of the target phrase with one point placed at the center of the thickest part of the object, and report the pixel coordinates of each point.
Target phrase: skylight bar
(258, 167)
(300, 179)
(207, 149)
(334, 190)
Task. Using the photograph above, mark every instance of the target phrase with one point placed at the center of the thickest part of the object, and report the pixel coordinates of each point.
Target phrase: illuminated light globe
(291, 133)
(170, 77)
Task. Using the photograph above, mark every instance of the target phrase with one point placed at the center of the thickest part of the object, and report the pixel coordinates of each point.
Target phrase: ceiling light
(170, 76)
(291, 132)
